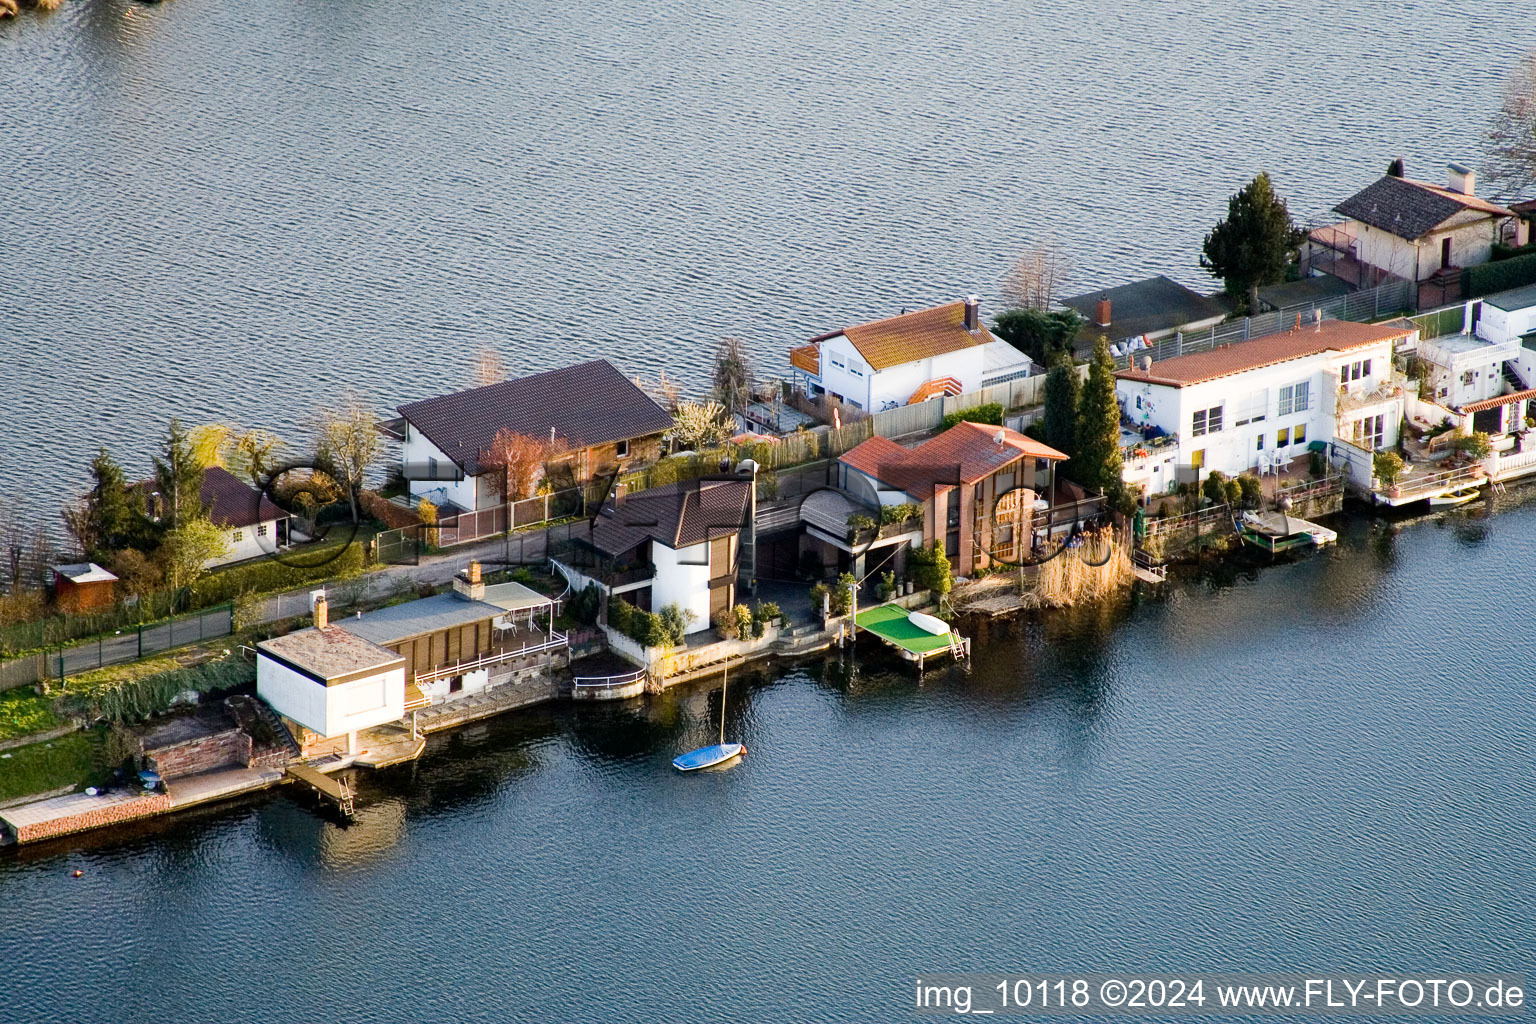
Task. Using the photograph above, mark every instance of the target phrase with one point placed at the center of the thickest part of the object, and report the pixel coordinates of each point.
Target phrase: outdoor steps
(1512, 374)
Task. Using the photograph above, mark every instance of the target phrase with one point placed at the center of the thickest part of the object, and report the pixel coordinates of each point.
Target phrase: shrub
(1215, 487)
(269, 575)
(1251, 490)
(859, 523)
(892, 514)
(1475, 446)
(584, 604)
(991, 413)
(676, 622)
(842, 593)
(817, 594)
(1486, 278)
(929, 569)
(766, 612)
(128, 694)
(736, 624)
(1387, 466)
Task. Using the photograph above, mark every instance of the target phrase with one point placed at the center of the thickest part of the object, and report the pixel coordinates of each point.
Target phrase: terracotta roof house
(908, 358)
(599, 418)
(980, 488)
(1417, 231)
(1146, 310)
(1260, 403)
(678, 544)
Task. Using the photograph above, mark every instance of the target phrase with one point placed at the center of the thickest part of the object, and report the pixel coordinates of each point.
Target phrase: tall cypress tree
(1096, 463)
(1059, 419)
(178, 477)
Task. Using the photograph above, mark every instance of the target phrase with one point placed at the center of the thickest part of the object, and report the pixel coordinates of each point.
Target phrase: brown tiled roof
(917, 335)
(232, 503)
(1494, 403)
(1411, 209)
(966, 453)
(678, 515)
(807, 358)
(586, 404)
(1237, 357)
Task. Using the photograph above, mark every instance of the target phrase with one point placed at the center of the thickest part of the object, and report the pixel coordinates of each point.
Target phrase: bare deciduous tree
(1036, 276)
(347, 444)
(662, 390)
(521, 461)
(733, 375)
(700, 425)
(489, 368)
(1510, 166)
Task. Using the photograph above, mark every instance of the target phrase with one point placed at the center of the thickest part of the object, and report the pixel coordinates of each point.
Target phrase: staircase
(1512, 374)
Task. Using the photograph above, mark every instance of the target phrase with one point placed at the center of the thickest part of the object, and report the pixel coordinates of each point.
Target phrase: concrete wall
(682, 578)
(331, 710)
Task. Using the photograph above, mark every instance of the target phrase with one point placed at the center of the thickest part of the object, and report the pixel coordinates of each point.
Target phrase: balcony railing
(550, 641)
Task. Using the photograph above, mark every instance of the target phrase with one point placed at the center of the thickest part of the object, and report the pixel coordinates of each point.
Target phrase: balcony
(1351, 400)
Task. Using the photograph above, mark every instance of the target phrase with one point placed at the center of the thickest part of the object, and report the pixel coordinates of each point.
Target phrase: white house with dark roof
(253, 526)
(909, 358)
(1261, 403)
(598, 417)
(1417, 231)
(1146, 311)
(678, 544)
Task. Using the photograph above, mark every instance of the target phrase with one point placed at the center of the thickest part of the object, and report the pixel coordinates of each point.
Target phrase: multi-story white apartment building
(1254, 403)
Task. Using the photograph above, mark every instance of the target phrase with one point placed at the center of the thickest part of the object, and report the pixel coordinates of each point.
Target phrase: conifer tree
(1096, 463)
(1062, 395)
(1254, 244)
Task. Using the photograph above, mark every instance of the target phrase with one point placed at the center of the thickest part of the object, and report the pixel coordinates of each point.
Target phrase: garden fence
(128, 644)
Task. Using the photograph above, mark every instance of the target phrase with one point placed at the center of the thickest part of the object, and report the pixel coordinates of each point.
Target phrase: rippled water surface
(236, 210)
(1324, 765)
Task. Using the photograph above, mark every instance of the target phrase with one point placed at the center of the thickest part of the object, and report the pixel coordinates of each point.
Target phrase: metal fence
(1394, 296)
(128, 644)
(404, 545)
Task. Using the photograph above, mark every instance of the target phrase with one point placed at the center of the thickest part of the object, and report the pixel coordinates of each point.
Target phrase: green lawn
(890, 621)
(73, 760)
(23, 712)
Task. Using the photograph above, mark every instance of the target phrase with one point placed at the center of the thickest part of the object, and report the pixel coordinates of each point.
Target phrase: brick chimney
(322, 613)
(972, 312)
(1101, 312)
(1461, 178)
(468, 584)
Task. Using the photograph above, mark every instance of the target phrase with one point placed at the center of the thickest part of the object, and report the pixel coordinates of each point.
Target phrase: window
(1293, 398)
(1253, 408)
(1355, 371)
(1370, 432)
(261, 529)
(1207, 421)
(1197, 459)
(1299, 434)
(1261, 442)
(1467, 378)
(621, 450)
(1282, 437)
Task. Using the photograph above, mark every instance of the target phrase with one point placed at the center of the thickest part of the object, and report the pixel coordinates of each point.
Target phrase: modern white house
(1257, 404)
(1510, 316)
(909, 358)
(674, 545)
(1464, 368)
(328, 683)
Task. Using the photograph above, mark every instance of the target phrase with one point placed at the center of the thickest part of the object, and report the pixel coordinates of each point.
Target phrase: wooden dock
(335, 790)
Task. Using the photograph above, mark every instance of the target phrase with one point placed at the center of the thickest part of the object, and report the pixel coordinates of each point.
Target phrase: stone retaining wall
(111, 814)
(230, 747)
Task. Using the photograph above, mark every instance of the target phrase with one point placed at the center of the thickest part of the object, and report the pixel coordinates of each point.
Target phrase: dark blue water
(237, 211)
(1323, 765)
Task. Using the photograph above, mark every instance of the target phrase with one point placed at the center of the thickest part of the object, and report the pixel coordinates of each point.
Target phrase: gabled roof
(84, 572)
(1267, 350)
(678, 515)
(911, 336)
(966, 453)
(587, 404)
(233, 503)
(1145, 307)
(1411, 209)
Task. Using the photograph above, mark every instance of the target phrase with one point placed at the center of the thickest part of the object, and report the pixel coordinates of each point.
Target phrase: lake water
(236, 211)
(1324, 765)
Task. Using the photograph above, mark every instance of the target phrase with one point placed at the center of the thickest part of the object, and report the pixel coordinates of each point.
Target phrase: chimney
(1462, 179)
(467, 583)
(322, 613)
(619, 493)
(1101, 314)
(972, 312)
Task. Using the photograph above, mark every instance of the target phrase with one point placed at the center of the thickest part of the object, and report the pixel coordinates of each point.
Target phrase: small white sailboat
(715, 753)
(1460, 496)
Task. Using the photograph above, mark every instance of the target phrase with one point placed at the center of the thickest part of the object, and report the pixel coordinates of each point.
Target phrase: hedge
(991, 413)
(119, 694)
(1487, 278)
(269, 575)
